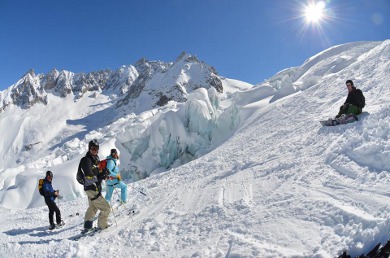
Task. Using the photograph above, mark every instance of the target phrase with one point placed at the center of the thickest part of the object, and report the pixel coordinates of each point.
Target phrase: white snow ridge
(243, 172)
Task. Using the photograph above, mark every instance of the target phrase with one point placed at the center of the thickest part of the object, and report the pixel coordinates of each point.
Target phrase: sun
(314, 13)
(313, 20)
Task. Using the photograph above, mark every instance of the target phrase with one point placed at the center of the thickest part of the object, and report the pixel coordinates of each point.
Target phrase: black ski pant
(53, 208)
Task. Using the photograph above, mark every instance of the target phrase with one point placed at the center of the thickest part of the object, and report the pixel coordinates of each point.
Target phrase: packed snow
(245, 173)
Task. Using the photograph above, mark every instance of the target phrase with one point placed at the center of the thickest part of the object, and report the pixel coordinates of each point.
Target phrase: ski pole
(113, 213)
(137, 190)
(120, 199)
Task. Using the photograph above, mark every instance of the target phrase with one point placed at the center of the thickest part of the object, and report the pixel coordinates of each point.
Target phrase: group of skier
(91, 176)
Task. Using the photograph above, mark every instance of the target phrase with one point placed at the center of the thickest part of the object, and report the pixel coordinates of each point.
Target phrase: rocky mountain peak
(30, 72)
(187, 58)
(154, 81)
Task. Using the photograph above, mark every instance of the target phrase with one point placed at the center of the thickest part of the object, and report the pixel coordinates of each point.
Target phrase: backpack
(80, 177)
(103, 167)
(40, 187)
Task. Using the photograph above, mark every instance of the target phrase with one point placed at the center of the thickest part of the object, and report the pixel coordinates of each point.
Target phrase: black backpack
(40, 187)
(80, 177)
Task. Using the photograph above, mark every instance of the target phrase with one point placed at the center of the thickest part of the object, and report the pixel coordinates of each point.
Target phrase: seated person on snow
(114, 179)
(354, 103)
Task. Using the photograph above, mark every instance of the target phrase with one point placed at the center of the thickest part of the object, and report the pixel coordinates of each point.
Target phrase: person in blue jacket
(114, 179)
(50, 196)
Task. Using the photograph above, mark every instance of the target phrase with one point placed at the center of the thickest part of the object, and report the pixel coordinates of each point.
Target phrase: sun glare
(314, 13)
(314, 19)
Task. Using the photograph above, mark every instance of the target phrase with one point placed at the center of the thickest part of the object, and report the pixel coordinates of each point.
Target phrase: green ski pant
(349, 109)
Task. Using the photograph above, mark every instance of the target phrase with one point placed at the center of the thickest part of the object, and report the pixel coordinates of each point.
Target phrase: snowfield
(247, 173)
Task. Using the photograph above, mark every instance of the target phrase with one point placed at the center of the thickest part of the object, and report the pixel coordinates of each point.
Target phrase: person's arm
(349, 98)
(111, 167)
(49, 191)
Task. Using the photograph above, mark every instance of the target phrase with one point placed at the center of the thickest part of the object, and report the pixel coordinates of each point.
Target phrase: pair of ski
(85, 233)
(97, 230)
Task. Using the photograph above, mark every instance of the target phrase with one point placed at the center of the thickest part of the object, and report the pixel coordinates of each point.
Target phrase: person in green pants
(355, 101)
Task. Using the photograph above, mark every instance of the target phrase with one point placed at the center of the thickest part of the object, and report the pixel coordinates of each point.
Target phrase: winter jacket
(114, 171)
(49, 191)
(356, 98)
(89, 165)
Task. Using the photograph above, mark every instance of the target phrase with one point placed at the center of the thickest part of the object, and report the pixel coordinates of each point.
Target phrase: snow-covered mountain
(250, 171)
(54, 115)
(146, 85)
(85, 102)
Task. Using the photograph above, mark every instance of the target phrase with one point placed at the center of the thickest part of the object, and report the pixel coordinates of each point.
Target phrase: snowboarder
(114, 179)
(50, 195)
(354, 103)
(93, 188)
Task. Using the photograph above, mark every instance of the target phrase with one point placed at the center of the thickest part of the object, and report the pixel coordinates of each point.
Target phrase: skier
(114, 179)
(50, 195)
(354, 103)
(93, 188)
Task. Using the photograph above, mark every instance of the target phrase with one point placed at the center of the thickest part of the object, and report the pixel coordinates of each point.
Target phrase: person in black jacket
(354, 103)
(50, 196)
(93, 188)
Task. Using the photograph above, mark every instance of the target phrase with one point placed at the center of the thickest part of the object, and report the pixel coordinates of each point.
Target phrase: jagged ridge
(156, 81)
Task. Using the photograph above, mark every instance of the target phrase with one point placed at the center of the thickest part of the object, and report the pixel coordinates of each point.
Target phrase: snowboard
(344, 119)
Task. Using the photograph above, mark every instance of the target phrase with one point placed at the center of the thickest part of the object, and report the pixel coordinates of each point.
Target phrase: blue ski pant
(120, 185)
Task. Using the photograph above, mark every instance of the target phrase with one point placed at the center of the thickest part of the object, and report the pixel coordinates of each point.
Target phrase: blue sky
(248, 40)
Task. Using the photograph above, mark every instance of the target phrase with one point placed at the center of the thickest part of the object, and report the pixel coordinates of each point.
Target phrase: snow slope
(270, 183)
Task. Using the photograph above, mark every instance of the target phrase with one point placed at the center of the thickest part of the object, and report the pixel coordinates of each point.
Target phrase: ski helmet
(114, 151)
(49, 173)
(93, 143)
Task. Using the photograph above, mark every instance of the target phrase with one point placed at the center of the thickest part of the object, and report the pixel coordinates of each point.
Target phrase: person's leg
(91, 211)
(343, 110)
(101, 204)
(51, 212)
(352, 109)
(58, 213)
(109, 191)
(123, 188)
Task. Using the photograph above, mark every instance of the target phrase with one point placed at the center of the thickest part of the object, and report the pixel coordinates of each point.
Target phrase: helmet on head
(114, 151)
(93, 143)
(49, 173)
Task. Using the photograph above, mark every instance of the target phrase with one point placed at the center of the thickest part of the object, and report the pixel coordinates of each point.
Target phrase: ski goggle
(94, 148)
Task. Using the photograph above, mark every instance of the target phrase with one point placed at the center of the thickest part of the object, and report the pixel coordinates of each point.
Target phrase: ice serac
(175, 137)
